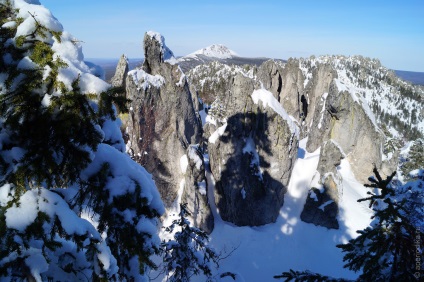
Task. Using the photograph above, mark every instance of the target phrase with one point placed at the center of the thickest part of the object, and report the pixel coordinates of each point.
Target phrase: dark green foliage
(50, 134)
(43, 130)
(298, 276)
(389, 248)
(415, 159)
(188, 254)
(385, 251)
(125, 241)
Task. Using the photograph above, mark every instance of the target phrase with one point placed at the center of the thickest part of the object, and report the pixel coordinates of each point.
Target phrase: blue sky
(392, 31)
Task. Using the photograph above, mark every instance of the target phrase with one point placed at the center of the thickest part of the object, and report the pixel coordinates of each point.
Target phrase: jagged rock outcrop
(270, 74)
(163, 128)
(344, 119)
(118, 80)
(252, 151)
(321, 207)
(292, 88)
(312, 92)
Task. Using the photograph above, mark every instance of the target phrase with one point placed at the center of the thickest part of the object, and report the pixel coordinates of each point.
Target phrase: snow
(323, 101)
(183, 78)
(268, 100)
(5, 190)
(68, 49)
(217, 51)
(183, 163)
(250, 148)
(219, 132)
(37, 264)
(322, 207)
(106, 258)
(202, 187)
(167, 54)
(290, 243)
(193, 155)
(144, 80)
(8, 25)
(313, 195)
(43, 200)
(243, 193)
(20, 217)
(125, 172)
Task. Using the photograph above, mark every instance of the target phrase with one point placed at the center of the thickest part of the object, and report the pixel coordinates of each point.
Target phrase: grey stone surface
(346, 122)
(321, 206)
(118, 80)
(320, 209)
(250, 183)
(162, 126)
(270, 74)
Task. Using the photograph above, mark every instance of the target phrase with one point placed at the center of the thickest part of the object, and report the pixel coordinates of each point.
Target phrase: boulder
(321, 207)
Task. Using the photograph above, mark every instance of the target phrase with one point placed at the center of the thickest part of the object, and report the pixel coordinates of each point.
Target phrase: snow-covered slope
(262, 252)
(394, 102)
(259, 253)
(215, 51)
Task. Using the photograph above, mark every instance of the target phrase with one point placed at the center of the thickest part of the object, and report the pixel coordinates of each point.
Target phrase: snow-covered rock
(163, 127)
(218, 51)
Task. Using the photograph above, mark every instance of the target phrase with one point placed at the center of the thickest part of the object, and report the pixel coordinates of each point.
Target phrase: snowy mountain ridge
(394, 102)
(385, 97)
(218, 51)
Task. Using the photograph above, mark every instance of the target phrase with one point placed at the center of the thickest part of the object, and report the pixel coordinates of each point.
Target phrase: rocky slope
(353, 102)
(244, 123)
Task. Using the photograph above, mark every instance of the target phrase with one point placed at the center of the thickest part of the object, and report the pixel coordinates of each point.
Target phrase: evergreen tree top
(73, 205)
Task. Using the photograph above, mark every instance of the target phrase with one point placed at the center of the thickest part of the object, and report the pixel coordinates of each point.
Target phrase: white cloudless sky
(392, 31)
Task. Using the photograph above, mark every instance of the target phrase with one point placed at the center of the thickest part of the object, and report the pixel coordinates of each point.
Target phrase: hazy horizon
(390, 31)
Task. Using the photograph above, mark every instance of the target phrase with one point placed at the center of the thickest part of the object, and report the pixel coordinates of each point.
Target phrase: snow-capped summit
(215, 51)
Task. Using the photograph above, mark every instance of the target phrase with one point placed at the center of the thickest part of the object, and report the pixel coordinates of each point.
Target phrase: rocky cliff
(247, 121)
(164, 130)
(334, 100)
(252, 149)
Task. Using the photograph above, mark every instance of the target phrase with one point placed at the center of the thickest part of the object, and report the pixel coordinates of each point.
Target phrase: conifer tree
(415, 159)
(306, 276)
(391, 248)
(188, 254)
(387, 251)
(73, 206)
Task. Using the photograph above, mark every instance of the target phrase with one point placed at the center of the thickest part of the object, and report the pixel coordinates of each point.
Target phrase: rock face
(252, 151)
(321, 207)
(320, 95)
(118, 80)
(344, 120)
(163, 128)
(248, 115)
(270, 74)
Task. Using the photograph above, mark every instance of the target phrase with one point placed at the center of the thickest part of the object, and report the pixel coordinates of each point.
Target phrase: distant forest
(109, 66)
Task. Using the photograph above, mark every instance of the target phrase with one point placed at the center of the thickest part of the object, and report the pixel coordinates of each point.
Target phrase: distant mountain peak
(215, 51)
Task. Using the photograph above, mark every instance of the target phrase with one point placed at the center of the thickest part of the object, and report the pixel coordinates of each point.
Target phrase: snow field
(259, 253)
